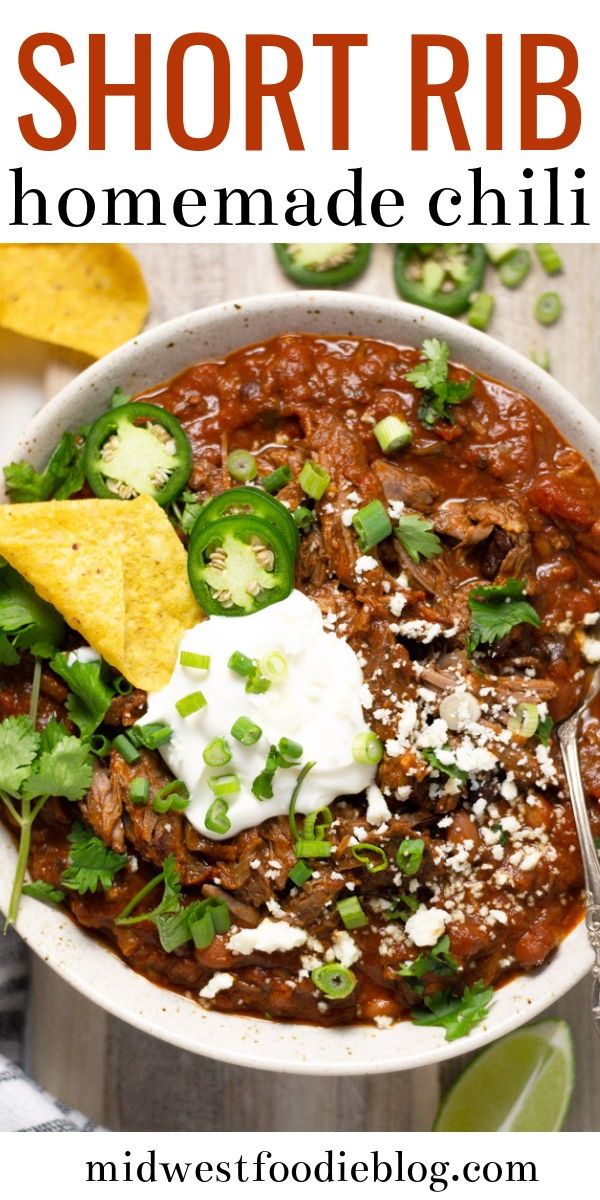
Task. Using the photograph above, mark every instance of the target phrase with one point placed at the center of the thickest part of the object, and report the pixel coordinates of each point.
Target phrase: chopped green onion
(409, 855)
(374, 858)
(335, 981)
(304, 517)
(524, 720)
(277, 480)
(480, 312)
(153, 735)
(100, 745)
(313, 849)
(139, 791)
(121, 685)
(202, 929)
(241, 664)
(256, 683)
(190, 704)
(515, 268)
(296, 792)
(217, 753)
(549, 258)
(300, 874)
(216, 819)
(497, 252)
(224, 785)
(317, 823)
(200, 662)
(392, 433)
(241, 465)
(541, 358)
(371, 525)
(207, 918)
(367, 748)
(352, 913)
(274, 666)
(313, 479)
(548, 308)
(245, 731)
(174, 795)
(290, 749)
(126, 748)
(220, 914)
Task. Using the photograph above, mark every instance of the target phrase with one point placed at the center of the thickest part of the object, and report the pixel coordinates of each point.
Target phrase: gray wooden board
(129, 1081)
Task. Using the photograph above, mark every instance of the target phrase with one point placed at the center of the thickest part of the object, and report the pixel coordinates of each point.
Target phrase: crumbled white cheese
(344, 949)
(377, 809)
(474, 758)
(434, 735)
(426, 926)
(347, 515)
(591, 618)
(217, 983)
(508, 788)
(590, 648)
(499, 916)
(383, 1022)
(397, 604)
(365, 563)
(420, 631)
(366, 696)
(269, 936)
(395, 509)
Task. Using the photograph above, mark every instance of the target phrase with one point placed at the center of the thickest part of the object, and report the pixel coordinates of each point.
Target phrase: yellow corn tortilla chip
(90, 298)
(117, 572)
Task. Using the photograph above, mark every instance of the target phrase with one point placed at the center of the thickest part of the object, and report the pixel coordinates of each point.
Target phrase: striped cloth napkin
(24, 1107)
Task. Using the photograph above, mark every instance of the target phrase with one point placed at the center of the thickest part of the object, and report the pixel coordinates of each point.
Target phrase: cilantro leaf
(63, 475)
(458, 1015)
(496, 610)
(91, 863)
(51, 734)
(65, 770)
(39, 890)
(8, 654)
(438, 960)
(544, 730)
(414, 533)
(27, 620)
(440, 392)
(90, 696)
(19, 744)
(449, 769)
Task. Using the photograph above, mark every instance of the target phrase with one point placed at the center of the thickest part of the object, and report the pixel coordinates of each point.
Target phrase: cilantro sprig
(458, 1015)
(437, 961)
(450, 769)
(495, 610)
(26, 621)
(91, 863)
(440, 393)
(46, 892)
(414, 533)
(175, 923)
(63, 476)
(89, 694)
(33, 767)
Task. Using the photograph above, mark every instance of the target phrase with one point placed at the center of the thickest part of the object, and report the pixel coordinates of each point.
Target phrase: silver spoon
(567, 733)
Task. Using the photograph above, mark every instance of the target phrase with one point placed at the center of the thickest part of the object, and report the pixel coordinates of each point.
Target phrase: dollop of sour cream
(317, 705)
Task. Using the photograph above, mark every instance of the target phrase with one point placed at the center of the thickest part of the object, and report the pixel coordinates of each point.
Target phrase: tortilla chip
(117, 572)
(90, 298)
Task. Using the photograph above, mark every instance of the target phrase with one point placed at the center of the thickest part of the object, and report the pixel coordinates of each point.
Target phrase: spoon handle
(567, 737)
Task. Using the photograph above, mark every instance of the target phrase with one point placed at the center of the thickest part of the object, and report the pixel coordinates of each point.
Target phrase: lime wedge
(523, 1083)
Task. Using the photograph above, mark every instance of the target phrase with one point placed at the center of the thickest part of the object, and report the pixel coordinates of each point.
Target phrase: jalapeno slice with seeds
(137, 448)
(251, 502)
(323, 264)
(441, 277)
(239, 565)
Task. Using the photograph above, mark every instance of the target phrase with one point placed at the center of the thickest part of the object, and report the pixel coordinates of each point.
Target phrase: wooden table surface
(129, 1081)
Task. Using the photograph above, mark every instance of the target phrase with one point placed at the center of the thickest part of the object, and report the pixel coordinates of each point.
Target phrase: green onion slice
(241, 664)
(409, 855)
(392, 433)
(224, 785)
(139, 791)
(335, 981)
(313, 479)
(317, 823)
(300, 874)
(277, 480)
(304, 517)
(548, 308)
(290, 749)
(524, 720)
(480, 312)
(296, 792)
(241, 465)
(313, 848)
(549, 258)
(126, 748)
(188, 705)
(367, 748)
(216, 819)
(200, 662)
(374, 858)
(174, 795)
(217, 753)
(515, 268)
(274, 666)
(100, 745)
(371, 525)
(245, 731)
(352, 913)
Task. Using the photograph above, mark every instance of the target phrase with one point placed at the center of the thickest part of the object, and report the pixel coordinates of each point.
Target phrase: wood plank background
(127, 1080)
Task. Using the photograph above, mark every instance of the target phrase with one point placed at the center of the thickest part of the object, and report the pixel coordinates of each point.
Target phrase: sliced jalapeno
(238, 565)
(323, 264)
(137, 448)
(441, 277)
(251, 502)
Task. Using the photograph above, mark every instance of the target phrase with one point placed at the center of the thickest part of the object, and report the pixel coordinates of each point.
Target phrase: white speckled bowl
(83, 962)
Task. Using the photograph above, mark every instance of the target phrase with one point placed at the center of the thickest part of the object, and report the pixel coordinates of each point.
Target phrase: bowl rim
(90, 966)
